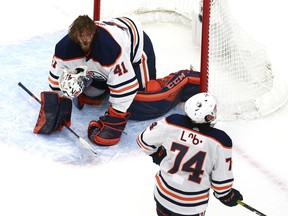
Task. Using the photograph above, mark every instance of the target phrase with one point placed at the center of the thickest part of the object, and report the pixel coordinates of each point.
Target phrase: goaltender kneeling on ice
(158, 98)
(93, 61)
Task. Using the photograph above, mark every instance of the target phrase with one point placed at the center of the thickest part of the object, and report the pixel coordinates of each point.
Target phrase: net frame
(273, 92)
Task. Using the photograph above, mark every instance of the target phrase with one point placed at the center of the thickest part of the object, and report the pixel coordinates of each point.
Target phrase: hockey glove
(159, 155)
(108, 129)
(231, 198)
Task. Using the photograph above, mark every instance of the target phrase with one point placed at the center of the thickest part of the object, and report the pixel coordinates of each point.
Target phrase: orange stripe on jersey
(132, 27)
(221, 188)
(177, 196)
(141, 144)
(124, 89)
(52, 81)
(145, 71)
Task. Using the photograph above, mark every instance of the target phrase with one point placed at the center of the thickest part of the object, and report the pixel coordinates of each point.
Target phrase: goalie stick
(84, 143)
(250, 208)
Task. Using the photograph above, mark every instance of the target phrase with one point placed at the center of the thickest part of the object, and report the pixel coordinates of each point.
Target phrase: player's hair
(82, 23)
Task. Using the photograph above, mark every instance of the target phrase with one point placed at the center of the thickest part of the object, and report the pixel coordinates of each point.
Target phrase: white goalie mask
(202, 108)
(72, 81)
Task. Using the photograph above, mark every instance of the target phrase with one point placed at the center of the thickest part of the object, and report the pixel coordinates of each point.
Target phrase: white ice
(55, 175)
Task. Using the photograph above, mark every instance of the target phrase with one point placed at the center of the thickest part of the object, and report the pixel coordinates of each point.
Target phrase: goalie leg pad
(163, 94)
(108, 129)
(193, 85)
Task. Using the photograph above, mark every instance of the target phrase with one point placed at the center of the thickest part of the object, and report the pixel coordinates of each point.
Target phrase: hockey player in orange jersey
(193, 157)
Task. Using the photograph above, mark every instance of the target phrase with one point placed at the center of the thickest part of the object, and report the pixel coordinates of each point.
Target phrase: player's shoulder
(106, 48)
(67, 49)
(217, 134)
(221, 136)
(179, 120)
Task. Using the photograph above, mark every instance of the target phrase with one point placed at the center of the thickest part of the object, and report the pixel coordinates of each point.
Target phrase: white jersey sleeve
(152, 137)
(127, 37)
(122, 83)
(67, 55)
(56, 69)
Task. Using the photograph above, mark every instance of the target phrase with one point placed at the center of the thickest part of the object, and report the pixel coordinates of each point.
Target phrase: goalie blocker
(55, 112)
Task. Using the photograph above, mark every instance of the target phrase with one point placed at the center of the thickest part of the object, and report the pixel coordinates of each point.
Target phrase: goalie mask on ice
(73, 81)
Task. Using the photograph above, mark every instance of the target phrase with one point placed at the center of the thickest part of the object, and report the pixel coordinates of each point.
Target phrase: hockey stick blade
(82, 141)
(250, 208)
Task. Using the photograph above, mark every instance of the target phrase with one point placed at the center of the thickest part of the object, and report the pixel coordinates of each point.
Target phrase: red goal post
(233, 65)
(96, 10)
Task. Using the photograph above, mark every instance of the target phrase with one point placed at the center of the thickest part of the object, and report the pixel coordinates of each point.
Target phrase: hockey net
(234, 66)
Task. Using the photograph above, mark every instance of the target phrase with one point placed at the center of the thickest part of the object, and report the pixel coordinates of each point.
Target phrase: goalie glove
(231, 198)
(159, 155)
(108, 129)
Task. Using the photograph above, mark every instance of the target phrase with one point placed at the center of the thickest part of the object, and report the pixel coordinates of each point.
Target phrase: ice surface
(55, 175)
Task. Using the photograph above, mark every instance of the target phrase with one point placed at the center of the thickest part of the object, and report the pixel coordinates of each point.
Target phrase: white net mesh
(240, 73)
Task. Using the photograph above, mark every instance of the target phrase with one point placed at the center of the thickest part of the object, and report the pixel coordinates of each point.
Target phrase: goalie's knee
(83, 99)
